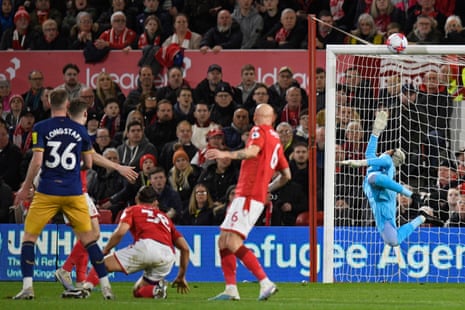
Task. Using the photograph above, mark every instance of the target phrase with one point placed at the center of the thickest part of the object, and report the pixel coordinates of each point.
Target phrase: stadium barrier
(15, 66)
(283, 252)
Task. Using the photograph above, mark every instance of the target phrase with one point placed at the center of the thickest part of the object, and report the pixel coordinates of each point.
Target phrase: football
(397, 43)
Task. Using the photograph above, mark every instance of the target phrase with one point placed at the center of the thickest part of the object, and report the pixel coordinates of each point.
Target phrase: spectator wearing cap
(21, 36)
(147, 163)
(226, 34)
(183, 176)
(239, 125)
(289, 33)
(118, 37)
(183, 139)
(202, 125)
(16, 106)
(32, 95)
(278, 90)
(92, 126)
(223, 109)
(51, 39)
(205, 90)
(21, 135)
(215, 140)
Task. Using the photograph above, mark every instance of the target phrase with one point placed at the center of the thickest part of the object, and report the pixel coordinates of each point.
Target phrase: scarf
(118, 41)
(185, 42)
(18, 135)
(291, 117)
(113, 124)
(145, 40)
(281, 35)
(18, 40)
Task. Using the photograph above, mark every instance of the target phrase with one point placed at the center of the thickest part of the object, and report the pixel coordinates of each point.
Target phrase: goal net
(422, 92)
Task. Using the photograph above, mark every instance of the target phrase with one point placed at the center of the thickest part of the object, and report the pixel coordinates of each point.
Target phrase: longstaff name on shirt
(63, 131)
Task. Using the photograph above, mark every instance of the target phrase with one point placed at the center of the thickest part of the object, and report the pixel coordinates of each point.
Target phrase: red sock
(81, 266)
(229, 266)
(92, 277)
(251, 262)
(75, 256)
(144, 291)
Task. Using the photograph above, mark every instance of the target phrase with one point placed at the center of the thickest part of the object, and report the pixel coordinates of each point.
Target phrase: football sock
(407, 229)
(27, 258)
(92, 277)
(96, 257)
(144, 291)
(229, 266)
(251, 262)
(81, 262)
(74, 258)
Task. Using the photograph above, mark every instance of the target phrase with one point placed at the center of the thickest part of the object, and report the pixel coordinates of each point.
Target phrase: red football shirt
(150, 223)
(256, 172)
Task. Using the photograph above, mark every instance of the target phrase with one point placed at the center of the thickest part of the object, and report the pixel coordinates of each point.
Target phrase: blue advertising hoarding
(428, 256)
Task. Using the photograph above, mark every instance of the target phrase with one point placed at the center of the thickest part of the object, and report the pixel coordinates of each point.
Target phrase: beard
(223, 28)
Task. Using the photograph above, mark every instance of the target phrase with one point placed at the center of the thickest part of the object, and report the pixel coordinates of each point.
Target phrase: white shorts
(242, 215)
(93, 211)
(156, 259)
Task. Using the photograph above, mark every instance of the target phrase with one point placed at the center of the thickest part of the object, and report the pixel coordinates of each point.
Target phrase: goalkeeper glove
(380, 123)
(418, 199)
(354, 163)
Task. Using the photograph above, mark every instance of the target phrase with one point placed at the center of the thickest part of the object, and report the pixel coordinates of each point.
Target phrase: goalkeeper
(381, 189)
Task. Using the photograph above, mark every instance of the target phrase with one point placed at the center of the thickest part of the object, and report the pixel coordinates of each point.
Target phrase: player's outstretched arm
(180, 282)
(126, 171)
(354, 163)
(116, 237)
(248, 152)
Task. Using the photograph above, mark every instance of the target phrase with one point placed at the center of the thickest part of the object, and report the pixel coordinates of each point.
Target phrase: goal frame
(332, 52)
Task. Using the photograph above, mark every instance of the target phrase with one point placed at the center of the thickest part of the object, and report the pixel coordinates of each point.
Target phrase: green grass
(290, 296)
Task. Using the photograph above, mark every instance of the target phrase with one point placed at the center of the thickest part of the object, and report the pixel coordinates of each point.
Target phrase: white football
(397, 43)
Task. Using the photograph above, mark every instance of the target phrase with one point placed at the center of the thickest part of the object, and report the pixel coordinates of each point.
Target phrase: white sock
(27, 282)
(265, 282)
(231, 289)
(104, 282)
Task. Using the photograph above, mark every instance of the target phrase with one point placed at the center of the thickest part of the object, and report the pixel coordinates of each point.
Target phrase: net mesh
(423, 96)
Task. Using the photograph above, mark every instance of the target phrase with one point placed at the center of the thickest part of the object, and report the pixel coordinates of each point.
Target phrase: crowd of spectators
(219, 24)
(164, 132)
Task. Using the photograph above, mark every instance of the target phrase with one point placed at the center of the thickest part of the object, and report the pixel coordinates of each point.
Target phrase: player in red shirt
(151, 229)
(263, 155)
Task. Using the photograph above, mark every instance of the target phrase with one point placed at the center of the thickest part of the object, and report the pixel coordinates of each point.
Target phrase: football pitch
(290, 296)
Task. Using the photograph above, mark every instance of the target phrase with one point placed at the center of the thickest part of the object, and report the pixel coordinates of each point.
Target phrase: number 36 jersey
(62, 141)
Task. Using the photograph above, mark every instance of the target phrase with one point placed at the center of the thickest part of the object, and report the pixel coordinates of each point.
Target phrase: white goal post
(353, 251)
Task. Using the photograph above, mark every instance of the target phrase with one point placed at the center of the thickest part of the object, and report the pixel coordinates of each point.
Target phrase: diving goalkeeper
(381, 189)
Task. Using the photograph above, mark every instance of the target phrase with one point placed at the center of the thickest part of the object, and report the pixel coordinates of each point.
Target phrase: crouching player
(155, 238)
